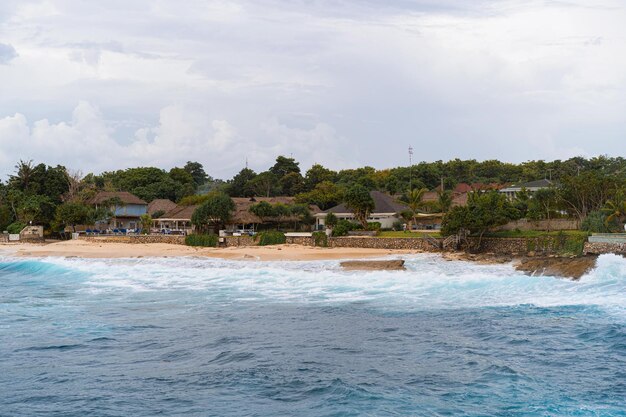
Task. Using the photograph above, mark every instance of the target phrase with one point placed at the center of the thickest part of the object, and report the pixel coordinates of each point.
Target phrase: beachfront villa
(386, 211)
(126, 209)
(178, 220)
(533, 186)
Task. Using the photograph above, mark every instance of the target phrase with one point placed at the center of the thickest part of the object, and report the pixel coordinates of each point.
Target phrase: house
(386, 211)
(160, 205)
(531, 187)
(126, 209)
(179, 218)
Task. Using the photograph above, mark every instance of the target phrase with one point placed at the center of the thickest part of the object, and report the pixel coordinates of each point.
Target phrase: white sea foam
(429, 282)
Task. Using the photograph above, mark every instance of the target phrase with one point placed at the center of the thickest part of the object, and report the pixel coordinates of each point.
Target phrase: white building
(530, 187)
(386, 211)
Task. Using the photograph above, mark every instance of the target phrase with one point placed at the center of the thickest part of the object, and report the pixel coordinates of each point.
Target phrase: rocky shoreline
(567, 267)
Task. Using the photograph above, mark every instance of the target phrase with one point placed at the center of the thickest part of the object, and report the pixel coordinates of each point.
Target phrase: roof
(383, 203)
(124, 196)
(242, 209)
(161, 204)
(180, 213)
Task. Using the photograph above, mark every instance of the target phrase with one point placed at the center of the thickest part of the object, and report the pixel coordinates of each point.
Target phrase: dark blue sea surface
(196, 337)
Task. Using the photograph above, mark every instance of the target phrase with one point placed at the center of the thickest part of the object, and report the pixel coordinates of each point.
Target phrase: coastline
(290, 252)
(567, 267)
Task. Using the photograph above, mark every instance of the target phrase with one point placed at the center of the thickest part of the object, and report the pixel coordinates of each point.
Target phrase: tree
(72, 213)
(615, 208)
(291, 184)
(216, 210)
(325, 195)
(265, 184)
(317, 174)
(331, 220)
(484, 211)
(262, 210)
(146, 223)
(284, 166)
(587, 192)
(197, 172)
(444, 198)
(239, 186)
(416, 201)
(543, 201)
(23, 175)
(360, 202)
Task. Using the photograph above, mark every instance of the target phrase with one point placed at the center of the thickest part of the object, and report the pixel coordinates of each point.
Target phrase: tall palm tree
(445, 200)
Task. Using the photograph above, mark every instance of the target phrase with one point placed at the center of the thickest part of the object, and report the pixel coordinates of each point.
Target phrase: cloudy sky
(99, 85)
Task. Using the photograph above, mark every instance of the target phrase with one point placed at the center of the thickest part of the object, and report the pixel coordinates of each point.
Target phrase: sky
(104, 85)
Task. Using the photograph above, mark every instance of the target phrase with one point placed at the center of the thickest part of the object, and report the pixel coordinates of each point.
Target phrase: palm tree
(24, 171)
(616, 208)
(416, 201)
(445, 200)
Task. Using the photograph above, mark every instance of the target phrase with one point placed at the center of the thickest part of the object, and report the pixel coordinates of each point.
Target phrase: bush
(15, 228)
(343, 227)
(202, 240)
(271, 237)
(595, 222)
(320, 239)
(398, 226)
(374, 226)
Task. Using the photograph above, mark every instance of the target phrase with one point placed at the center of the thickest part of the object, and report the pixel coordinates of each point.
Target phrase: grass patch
(202, 240)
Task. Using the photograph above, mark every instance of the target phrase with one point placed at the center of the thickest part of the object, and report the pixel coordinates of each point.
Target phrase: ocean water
(200, 337)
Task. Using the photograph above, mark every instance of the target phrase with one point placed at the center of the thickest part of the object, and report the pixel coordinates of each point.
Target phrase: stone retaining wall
(554, 224)
(383, 243)
(598, 248)
(172, 239)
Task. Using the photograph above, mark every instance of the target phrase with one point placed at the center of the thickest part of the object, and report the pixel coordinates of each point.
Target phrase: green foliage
(265, 184)
(146, 223)
(484, 211)
(360, 202)
(209, 240)
(343, 227)
(318, 174)
(373, 226)
(71, 214)
(240, 186)
(271, 237)
(331, 220)
(398, 226)
(196, 170)
(320, 239)
(263, 210)
(325, 195)
(158, 213)
(15, 227)
(216, 210)
(285, 166)
(596, 222)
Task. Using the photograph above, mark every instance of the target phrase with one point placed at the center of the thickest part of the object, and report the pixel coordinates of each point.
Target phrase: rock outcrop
(388, 265)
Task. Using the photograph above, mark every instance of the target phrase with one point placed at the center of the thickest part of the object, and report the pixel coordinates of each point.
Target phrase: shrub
(271, 237)
(343, 227)
(596, 222)
(15, 228)
(331, 220)
(320, 239)
(201, 240)
(398, 226)
(375, 226)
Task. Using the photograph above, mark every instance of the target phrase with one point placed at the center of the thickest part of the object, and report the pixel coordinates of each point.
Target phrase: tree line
(55, 196)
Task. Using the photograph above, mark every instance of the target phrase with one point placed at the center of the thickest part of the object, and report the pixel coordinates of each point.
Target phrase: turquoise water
(205, 337)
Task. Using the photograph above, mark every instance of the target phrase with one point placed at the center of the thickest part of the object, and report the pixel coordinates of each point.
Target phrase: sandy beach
(86, 249)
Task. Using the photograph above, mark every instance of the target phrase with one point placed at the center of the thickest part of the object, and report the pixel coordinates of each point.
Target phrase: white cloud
(453, 78)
